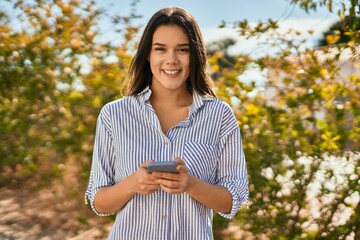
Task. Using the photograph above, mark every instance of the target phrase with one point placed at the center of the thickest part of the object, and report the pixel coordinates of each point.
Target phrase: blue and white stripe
(209, 141)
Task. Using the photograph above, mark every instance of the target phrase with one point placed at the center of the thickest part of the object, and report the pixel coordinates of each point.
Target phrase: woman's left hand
(175, 183)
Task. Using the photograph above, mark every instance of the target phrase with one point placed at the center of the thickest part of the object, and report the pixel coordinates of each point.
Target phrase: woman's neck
(177, 97)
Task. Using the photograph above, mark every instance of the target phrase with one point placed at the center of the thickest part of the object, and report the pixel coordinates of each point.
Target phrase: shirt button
(164, 217)
(167, 142)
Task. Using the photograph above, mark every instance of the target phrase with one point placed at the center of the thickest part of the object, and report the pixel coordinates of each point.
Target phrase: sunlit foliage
(301, 128)
(54, 77)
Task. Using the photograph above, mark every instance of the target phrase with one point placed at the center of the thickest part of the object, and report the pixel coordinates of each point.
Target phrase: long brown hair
(140, 76)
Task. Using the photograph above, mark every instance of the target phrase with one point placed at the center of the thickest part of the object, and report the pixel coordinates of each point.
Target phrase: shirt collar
(146, 93)
(198, 102)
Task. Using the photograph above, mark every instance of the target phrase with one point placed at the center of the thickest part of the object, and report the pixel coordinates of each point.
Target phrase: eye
(160, 49)
(184, 50)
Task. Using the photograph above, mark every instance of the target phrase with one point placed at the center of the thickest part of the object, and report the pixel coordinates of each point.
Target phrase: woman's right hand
(144, 182)
(113, 198)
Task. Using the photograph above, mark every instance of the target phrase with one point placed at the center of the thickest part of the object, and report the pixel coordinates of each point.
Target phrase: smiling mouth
(171, 72)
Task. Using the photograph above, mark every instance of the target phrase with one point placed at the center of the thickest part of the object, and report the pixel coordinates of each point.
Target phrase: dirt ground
(46, 214)
(32, 210)
(57, 211)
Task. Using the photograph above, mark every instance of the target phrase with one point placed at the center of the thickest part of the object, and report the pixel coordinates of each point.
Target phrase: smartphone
(167, 166)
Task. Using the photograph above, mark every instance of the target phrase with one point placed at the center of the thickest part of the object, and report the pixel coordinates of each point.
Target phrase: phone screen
(168, 166)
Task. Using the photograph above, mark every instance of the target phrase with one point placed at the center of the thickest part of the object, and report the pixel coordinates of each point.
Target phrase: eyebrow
(179, 45)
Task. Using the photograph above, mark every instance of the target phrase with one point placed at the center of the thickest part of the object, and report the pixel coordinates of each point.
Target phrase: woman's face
(170, 57)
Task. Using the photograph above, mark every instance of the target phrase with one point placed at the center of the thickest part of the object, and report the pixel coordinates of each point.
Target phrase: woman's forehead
(170, 34)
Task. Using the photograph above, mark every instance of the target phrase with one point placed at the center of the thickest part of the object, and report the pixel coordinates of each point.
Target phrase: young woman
(169, 113)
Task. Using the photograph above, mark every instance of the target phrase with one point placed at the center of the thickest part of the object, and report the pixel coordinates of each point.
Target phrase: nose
(172, 58)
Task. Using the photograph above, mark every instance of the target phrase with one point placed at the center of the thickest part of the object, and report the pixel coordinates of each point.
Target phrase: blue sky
(209, 14)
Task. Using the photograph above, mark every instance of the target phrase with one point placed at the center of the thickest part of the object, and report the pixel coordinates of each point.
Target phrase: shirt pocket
(200, 159)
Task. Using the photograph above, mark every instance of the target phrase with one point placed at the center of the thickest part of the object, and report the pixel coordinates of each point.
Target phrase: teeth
(171, 72)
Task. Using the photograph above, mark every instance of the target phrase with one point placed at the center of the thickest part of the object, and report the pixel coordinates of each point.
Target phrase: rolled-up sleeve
(232, 173)
(101, 174)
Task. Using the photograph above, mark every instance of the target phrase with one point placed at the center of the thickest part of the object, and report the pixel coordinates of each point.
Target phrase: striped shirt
(128, 133)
